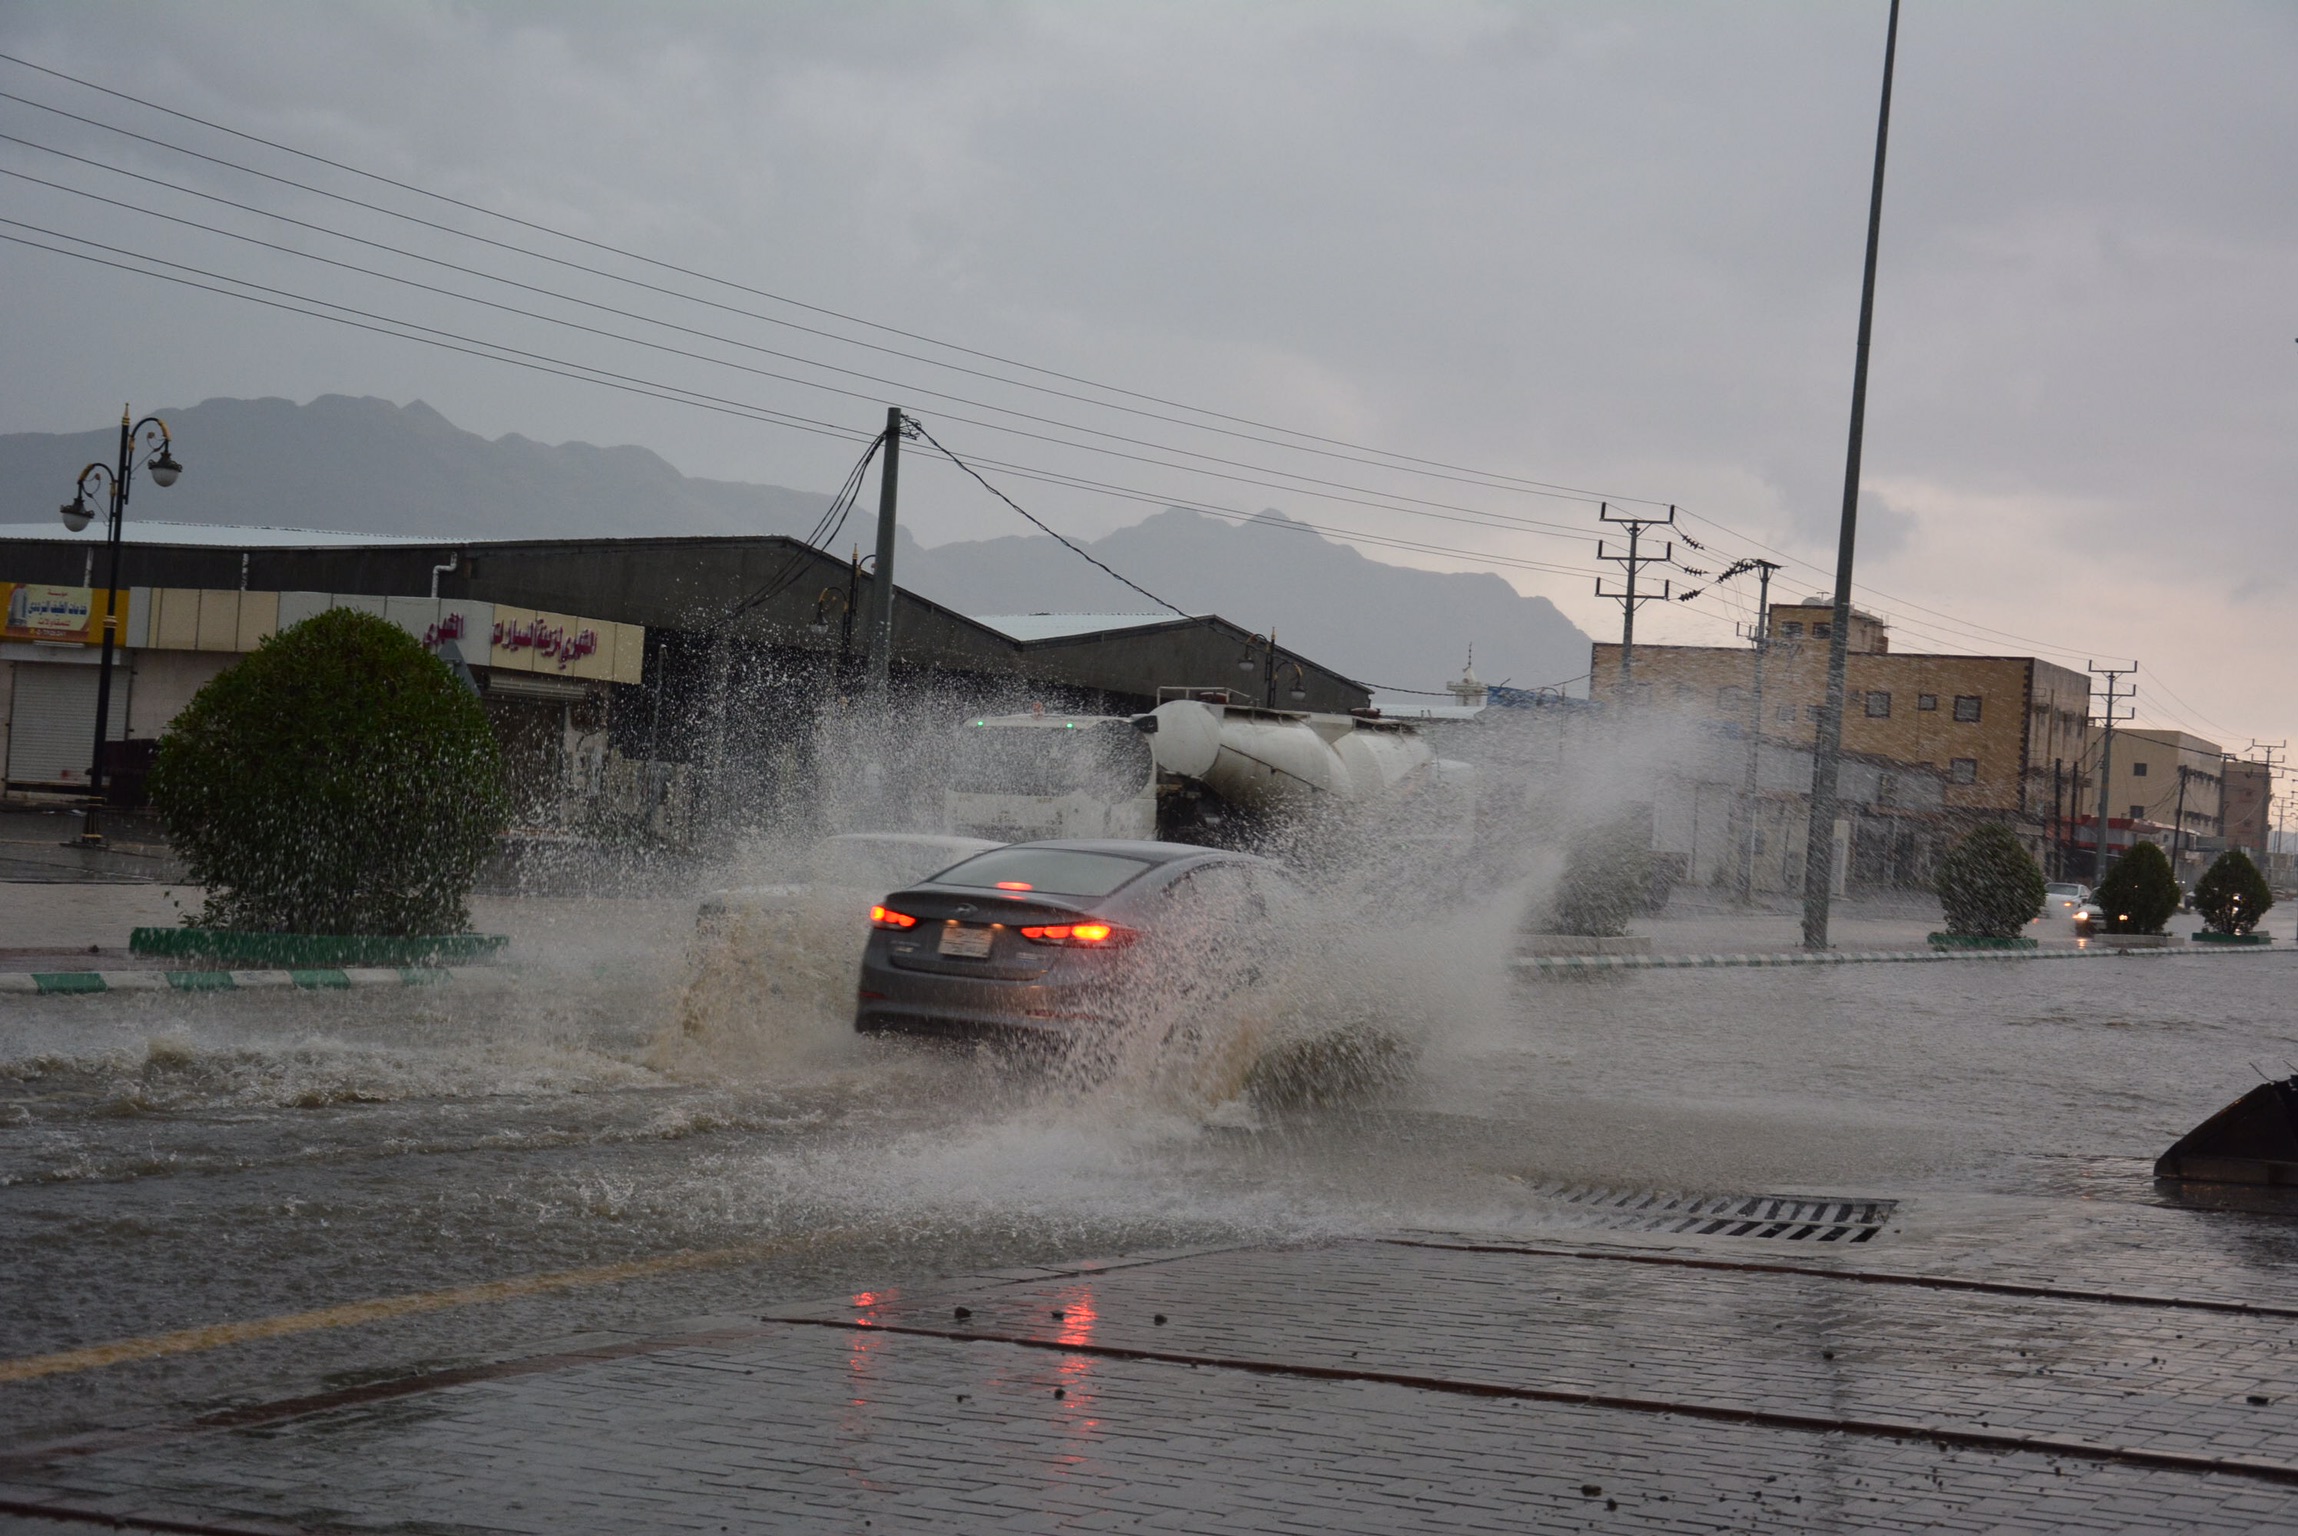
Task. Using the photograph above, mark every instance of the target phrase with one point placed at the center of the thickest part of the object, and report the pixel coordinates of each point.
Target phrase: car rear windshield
(1057, 871)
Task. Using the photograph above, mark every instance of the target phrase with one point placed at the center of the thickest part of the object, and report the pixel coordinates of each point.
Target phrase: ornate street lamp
(1271, 669)
(77, 514)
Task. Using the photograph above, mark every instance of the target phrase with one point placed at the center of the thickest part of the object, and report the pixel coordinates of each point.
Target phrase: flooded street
(628, 1154)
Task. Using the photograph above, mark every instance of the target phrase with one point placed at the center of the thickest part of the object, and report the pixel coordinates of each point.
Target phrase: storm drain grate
(1796, 1218)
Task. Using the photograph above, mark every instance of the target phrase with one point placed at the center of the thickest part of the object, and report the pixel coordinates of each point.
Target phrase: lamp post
(1271, 669)
(77, 514)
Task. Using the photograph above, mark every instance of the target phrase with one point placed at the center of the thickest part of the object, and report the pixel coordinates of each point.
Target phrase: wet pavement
(353, 1225)
(1430, 1381)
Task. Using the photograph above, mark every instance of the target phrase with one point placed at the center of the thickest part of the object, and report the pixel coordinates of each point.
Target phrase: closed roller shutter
(53, 721)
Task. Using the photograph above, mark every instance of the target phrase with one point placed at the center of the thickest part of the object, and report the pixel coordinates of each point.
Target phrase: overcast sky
(1606, 246)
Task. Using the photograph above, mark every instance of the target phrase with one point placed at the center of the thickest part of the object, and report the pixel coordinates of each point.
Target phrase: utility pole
(2178, 820)
(1632, 562)
(1819, 836)
(2113, 676)
(2266, 749)
(1763, 570)
(2057, 817)
(882, 578)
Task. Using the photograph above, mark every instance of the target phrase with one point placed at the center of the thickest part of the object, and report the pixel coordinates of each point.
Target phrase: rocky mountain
(1385, 624)
(370, 466)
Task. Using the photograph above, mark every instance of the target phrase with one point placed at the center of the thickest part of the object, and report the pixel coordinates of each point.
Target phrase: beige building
(2009, 733)
(2168, 778)
(2246, 800)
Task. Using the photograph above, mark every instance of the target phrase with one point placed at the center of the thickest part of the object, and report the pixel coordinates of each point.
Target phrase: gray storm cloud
(1613, 246)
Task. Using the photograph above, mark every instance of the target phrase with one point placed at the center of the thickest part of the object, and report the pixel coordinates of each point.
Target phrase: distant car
(1062, 939)
(2087, 917)
(2064, 900)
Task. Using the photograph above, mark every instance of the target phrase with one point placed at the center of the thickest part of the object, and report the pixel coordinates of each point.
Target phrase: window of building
(1967, 708)
(1791, 630)
(1811, 713)
(1926, 701)
(1731, 698)
(1964, 770)
(1878, 706)
(2138, 770)
(1822, 631)
(1886, 788)
(1787, 714)
(2137, 813)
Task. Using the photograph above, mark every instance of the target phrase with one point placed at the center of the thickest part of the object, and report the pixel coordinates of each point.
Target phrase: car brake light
(1089, 935)
(1015, 885)
(887, 917)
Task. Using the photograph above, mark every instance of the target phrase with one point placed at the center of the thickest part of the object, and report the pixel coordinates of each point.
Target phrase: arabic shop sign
(67, 614)
(561, 643)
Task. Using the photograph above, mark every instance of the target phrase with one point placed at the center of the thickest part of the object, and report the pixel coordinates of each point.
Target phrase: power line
(1472, 516)
(1405, 462)
(1387, 459)
(1043, 527)
(491, 351)
(677, 395)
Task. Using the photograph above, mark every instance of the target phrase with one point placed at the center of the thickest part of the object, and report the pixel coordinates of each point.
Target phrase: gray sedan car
(1057, 939)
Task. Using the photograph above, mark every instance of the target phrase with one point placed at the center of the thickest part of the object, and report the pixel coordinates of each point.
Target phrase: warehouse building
(659, 685)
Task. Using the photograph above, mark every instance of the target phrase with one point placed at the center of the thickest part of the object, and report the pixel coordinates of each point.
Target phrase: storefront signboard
(58, 615)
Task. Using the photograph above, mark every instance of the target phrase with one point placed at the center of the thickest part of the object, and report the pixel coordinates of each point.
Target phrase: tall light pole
(1819, 836)
(77, 514)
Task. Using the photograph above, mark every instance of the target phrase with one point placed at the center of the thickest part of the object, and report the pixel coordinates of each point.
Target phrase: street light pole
(76, 515)
(1827, 750)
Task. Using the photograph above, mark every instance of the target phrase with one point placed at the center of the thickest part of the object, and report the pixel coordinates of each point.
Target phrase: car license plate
(960, 942)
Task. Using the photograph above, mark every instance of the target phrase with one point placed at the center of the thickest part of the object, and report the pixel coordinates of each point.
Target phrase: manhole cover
(1796, 1218)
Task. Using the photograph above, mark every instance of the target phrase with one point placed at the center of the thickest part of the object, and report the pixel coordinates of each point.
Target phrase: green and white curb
(1566, 964)
(51, 983)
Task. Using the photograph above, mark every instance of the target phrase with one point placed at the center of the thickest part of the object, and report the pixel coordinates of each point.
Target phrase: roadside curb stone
(1553, 964)
(66, 983)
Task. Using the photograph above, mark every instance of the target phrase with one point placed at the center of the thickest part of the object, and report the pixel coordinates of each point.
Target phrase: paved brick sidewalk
(1435, 1384)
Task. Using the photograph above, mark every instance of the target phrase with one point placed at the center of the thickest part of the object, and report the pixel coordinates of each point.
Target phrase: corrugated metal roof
(216, 535)
(1054, 626)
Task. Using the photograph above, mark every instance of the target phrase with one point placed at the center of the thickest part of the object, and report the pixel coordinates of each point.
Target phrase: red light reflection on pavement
(858, 1424)
(1078, 1317)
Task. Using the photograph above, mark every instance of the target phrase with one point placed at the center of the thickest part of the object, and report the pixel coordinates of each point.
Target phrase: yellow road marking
(187, 1341)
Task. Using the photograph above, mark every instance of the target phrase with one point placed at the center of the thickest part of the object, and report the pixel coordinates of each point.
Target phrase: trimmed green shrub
(2232, 895)
(338, 779)
(1989, 885)
(2139, 893)
(1607, 880)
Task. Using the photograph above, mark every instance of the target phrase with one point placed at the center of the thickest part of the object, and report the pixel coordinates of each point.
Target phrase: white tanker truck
(1198, 771)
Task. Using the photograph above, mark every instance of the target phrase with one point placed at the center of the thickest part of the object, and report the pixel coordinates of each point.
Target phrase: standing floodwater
(169, 1161)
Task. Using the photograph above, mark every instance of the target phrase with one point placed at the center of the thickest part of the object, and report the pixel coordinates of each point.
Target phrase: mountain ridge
(366, 465)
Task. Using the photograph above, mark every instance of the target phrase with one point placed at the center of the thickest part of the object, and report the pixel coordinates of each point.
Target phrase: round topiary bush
(2232, 895)
(2139, 893)
(1989, 885)
(1607, 880)
(338, 780)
